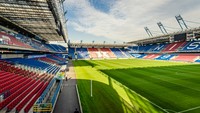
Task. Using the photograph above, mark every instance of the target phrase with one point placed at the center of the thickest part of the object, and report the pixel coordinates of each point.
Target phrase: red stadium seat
(109, 52)
(186, 57)
(173, 46)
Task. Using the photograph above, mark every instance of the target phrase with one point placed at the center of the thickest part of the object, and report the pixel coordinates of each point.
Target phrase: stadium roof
(97, 45)
(164, 38)
(37, 16)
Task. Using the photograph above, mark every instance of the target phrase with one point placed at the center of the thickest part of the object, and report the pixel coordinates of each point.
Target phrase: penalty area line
(190, 109)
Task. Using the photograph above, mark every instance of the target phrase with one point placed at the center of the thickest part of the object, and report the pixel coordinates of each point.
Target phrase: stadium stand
(173, 46)
(21, 85)
(56, 92)
(134, 49)
(71, 52)
(191, 46)
(163, 49)
(10, 40)
(26, 42)
(99, 53)
(136, 55)
(118, 52)
(57, 48)
(38, 46)
(151, 56)
(16, 86)
(186, 57)
(94, 53)
(107, 53)
(29, 62)
(158, 48)
(165, 57)
(59, 60)
(148, 48)
(126, 52)
(198, 60)
(82, 53)
(50, 85)
(145, 48)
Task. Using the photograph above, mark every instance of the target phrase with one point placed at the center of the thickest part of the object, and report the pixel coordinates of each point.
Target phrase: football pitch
(136, 85)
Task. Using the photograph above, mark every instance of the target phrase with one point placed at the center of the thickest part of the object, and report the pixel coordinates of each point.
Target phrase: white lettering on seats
(193, 45)
(158, 48)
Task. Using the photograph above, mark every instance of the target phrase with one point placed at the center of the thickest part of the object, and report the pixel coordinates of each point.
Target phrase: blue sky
(124, 20)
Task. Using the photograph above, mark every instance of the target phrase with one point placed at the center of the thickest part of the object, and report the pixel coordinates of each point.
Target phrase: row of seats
(165, 57)
(118, 52)
(59, 60)
(26, 42)
(17, 90)
(33, 100)
(126, 52)
(44, 94)
(190, 46)
(151, 56)
(137, 55)
(82, 53)
(47, 64)
(59, 57)
(35, 88)
(45, 59)
(18, 97)
(16, 70)
(53, 100)
(29, 62)
(55, 47)
(186, 57)
(71, 52)
(99, 53)
(94, 53)
(192, 57)
(21, 87)
(11, 40)
(107, 53)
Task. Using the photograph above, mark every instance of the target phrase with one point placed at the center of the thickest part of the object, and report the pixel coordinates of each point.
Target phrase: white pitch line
(164, 110)
(171, 110)
(194, 108)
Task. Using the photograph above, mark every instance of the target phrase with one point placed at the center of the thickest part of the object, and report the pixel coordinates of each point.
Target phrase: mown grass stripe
(171, 85)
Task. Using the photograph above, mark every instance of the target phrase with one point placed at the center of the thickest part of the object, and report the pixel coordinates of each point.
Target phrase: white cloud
(126, 18)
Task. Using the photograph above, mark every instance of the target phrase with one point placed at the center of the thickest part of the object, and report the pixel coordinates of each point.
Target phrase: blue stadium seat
(165, 57)
(191, 46)
(198, 60)
(148, 48)
(126, 51)
(82, 53)
(71, 52)
(158, 47)
(138, 55)
(56, 48)
(29, 62)
(117, 52)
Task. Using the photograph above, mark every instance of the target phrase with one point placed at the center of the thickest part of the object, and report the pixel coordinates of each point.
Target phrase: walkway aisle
(67, 101)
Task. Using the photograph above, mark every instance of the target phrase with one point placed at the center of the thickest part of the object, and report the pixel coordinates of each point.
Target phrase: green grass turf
(171, 85)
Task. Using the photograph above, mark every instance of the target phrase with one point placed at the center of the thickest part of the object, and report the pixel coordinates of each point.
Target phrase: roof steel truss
(34, 15)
